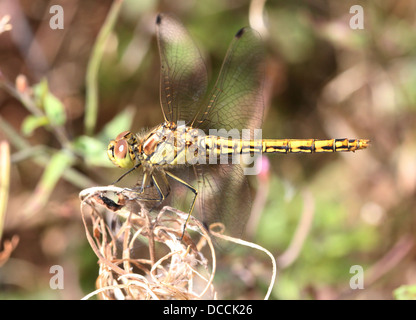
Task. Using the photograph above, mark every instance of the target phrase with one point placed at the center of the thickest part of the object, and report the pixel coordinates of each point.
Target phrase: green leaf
(53, 107)
(93, 150)
(31, 123)
(39, 91)
(60, 161)
(122, 122)
(57, 166)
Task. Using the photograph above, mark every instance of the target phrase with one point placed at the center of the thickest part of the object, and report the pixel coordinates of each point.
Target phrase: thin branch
(31, 106)
(70, 175)
(302, 230)
(4, 181)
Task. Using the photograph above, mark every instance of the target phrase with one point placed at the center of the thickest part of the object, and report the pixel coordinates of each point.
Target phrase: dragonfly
(197, 127)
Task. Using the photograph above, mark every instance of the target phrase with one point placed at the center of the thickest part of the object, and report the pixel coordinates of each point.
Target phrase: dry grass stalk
(181, 273)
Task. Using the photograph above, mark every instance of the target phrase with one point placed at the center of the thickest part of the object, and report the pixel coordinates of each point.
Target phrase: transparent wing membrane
(224, 197)
(236, 101)
(183, 80)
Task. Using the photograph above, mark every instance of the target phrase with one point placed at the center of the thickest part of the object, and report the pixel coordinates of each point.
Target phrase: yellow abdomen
(313, 145)
(222, 146)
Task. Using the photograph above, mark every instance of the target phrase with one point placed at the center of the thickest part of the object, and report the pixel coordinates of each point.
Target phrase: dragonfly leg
(195, 191)
(154, 183)
(159, 190)
(127, 172)
(139, 189)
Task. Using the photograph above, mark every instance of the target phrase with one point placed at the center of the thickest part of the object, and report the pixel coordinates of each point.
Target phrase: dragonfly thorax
(160, 146)
(166, 144)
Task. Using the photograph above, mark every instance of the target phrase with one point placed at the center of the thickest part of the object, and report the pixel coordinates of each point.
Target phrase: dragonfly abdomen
(217, 146)
(313, 145)
(222, 146)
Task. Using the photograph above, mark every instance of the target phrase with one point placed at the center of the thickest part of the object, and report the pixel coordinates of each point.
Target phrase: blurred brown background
(320, 214)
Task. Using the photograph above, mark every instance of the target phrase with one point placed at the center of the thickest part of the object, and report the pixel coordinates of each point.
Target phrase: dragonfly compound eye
(110, 150)
(118, 152)
(124, 134)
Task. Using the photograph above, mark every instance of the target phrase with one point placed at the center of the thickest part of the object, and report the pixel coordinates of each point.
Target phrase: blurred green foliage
(324, 80)
(405, 293)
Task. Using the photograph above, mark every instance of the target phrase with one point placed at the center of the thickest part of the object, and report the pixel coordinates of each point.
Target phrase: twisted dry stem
(182, 272)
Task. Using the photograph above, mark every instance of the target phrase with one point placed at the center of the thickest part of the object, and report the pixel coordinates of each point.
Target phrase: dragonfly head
(121, 150)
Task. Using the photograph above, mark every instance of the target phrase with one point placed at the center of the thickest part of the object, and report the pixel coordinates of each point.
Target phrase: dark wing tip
(159, 18)
(240, 33)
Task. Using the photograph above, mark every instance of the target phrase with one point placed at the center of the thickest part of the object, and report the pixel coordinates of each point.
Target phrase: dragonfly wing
(223, 196)
(183, 72)
(236, 101)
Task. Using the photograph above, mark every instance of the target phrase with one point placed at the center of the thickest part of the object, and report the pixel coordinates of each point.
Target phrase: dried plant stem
(170, 276)
(178, 274)
(151, 241)
(251, 245)
(302, 231)
(4, 181)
